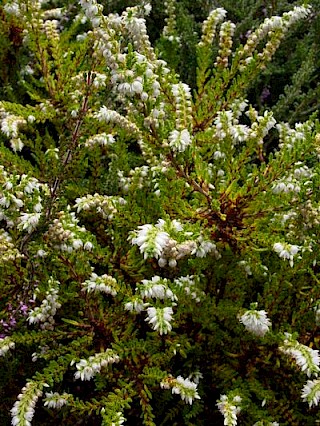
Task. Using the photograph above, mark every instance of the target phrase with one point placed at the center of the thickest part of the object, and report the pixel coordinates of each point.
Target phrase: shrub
(151, 246)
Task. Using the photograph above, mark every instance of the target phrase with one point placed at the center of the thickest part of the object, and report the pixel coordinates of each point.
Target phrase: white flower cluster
(46, 311)
(179, 140)
(276, 25)
(256, 322)
(103, 204)
(10, 124)
(311, 392)
(290, 184)
(182, 97)
(20, 192)
(225, 43)
(169, 30)
(100, 284)
(88, 368)
(286, 251)
(110, 116)
(189, 286)
(160, 319)
(137, 76)
(55, 400)
(159, 241)
(289, 138)
(8, 251)
(226, 125)
(229, 409)
(136, 27)
(306, 358)
(138, 178)
(5, 345)
(183, 387)
(210, 24)
(157, 288)
(51, 30)
(136, 304)
(102, 139)
(150, 239)
(92, 10)
(12, 8)
(23, 410)
(65, 234)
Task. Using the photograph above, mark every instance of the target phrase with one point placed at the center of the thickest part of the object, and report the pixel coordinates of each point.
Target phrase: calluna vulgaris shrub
(159, 265)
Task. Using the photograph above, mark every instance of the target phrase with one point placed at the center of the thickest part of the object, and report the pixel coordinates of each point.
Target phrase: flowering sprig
(65, 235)
(103, 204)
(21, 200)
(183, 387)
(307, 359)
(229, 408)
(160, 319)
(5, 345)
(256, 322)
(286, 251)
(55, 400)
(88, 368)
(210, 24)
(23, 410)
(45, 312)
(169, 242)
(101, 284)
(311, 392)
(157, 288)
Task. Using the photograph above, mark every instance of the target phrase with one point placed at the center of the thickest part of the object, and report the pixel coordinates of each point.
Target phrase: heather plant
(158, 263)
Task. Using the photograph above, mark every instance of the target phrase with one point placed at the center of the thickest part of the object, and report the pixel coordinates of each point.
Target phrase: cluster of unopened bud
(225, 44)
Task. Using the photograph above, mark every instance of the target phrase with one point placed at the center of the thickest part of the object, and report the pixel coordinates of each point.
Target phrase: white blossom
(311, 392)
(150, 239)
(179, 140)
(28, 221)
(100, 284)
(256, 322)
(55, 400)
(160, 319)
(23, 409)
(186, 388)
(286, 251)
(307, 359)
(88, 368)
(5, 345)
(229, 408)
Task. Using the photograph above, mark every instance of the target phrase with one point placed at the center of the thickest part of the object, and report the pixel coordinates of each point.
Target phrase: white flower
(28, 221)
(150, 240)
(179, 140)
(286, 251)
(183, 387)
(306, 358)
(256, 322)
(311, 392)
(55, 400)
(229, 409)
(23, 410)
(88, 368)
(136, 304)
(157, 288)
(101, 284)
(160, 318)
(5, 345)
(186, 389)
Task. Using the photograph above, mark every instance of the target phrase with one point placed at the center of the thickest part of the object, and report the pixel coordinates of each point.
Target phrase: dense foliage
(159, 240)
